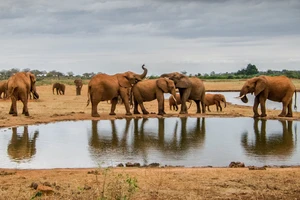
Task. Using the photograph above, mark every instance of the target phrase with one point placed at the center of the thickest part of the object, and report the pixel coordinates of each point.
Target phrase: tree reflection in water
(276, 143)
(137, 138)
(22, 146)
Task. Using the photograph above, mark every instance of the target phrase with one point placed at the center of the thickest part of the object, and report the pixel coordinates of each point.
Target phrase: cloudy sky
(111, 36)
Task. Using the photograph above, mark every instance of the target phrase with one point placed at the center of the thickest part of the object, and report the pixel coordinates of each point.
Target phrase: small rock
(34, 185)
(45, 189)
(120, 165)
(129, 164)
(153, 165)
(87, 187)
(236, 165)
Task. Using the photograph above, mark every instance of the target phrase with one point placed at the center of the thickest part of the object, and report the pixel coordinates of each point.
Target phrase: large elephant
(103, 87)
(19, 87)
(59, 87)
(279, 88)
(3, 89)
(214, 99)
(189, 88)
(78, 84)
(174, 104)
(148, 90)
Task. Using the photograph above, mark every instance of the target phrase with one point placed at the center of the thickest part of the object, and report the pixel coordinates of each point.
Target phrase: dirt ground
(139, 182)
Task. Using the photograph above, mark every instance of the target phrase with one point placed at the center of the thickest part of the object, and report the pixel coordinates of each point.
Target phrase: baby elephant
(60, 88)
(214, 99)
(173, 104)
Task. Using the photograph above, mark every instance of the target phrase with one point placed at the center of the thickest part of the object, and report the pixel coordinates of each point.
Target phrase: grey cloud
(179, 19)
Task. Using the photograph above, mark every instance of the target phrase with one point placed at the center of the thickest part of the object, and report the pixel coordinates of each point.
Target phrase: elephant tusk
(174, 99)
(240, 97)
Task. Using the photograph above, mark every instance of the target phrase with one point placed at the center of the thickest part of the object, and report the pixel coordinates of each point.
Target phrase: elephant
(174, 104)
(190, 88)
(148, 90)
(214, 99)
(19, 86)
(278, 88)
(78, 84)
(103, 87)
(3, 89)
(60, 88)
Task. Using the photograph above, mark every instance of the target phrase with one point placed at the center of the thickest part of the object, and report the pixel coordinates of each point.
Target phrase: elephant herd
(133, 90)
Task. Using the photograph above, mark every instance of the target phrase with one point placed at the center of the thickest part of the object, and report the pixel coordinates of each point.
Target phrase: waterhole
(167, 141)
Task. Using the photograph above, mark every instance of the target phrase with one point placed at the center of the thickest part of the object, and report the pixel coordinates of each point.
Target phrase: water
(168, 141)
(231, 97)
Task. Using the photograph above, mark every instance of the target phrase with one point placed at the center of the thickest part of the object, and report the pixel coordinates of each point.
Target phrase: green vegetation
(249, 71)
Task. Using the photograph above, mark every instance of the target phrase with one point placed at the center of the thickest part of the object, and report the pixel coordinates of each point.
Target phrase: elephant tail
(10, 92)
(89, 95)
(295, 106)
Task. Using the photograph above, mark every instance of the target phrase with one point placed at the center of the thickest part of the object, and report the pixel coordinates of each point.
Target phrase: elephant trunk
(173, 94)
(143, 75)
(35, 95)
(33, 91)
(243, 97)
(224, 100)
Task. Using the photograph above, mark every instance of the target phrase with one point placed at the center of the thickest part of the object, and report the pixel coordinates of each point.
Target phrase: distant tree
(26, 70)
(249, 70)
(70, 74)
(184, 72)
(88, 75)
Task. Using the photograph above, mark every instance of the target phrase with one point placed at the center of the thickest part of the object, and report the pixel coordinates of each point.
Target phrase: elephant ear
(32, 77)
(261, 84)
(162, 84)
(123, 80)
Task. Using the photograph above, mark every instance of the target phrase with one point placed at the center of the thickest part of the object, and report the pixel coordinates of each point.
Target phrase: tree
(250, 70)
(70, 74)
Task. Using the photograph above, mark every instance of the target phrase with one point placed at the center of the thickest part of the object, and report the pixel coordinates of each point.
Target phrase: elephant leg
(94, 108)
(263, 107)
(286, 103)
(176, 107)
(198, 106)
(125, 97)
(25, 108)
(219, 106)
(255, 107)
(208, 108)
(135, 109)
(13, 107)
(290, 111)
(145, 112)
(184, 94)
(161, 105)
(113, 102)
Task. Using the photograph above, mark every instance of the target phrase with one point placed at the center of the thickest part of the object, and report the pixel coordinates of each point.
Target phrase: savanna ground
(140, 182)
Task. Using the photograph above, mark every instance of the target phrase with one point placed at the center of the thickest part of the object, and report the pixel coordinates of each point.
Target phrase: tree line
(249, 71)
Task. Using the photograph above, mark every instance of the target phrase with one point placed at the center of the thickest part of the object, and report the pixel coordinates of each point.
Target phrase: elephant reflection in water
(22, 146)
(99, 143)
(279, 143)
(181, 139)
